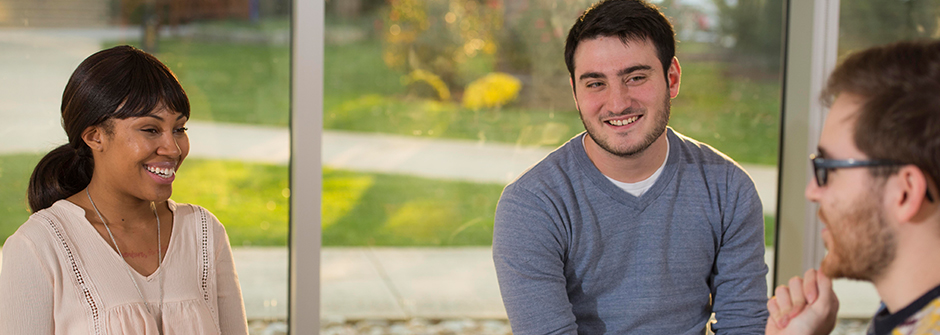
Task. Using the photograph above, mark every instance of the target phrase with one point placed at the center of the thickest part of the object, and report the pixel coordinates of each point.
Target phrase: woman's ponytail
(60, 174)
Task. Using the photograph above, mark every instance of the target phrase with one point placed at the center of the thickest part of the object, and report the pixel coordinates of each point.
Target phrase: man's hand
(806, 306)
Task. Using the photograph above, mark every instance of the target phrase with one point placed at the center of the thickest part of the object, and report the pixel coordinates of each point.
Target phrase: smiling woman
(106, 250)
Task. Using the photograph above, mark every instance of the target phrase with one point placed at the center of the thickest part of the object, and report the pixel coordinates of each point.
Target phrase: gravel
(419, 326)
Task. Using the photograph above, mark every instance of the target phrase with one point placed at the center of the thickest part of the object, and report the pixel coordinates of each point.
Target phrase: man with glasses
(876, 175)
(630, 228)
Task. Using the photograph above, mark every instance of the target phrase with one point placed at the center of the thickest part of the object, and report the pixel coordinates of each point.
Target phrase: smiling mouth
(166, 173)
(623, 122)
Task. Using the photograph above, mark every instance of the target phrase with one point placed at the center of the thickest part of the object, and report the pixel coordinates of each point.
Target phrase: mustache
(627, 111)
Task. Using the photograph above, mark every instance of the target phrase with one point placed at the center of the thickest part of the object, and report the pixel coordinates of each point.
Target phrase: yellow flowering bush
(431, 79)
(493, 90)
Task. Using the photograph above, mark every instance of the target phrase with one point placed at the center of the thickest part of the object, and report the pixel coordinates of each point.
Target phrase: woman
(106, 251)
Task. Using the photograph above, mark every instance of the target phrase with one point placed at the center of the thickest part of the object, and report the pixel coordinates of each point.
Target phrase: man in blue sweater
(876, 185)
(631, 227)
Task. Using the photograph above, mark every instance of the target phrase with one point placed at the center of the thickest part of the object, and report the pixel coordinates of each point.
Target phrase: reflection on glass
(864, 24)
(431, 107)
(232, 58)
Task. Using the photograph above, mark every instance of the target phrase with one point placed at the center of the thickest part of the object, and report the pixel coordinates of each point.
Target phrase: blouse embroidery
(204, 225)
(89, 297)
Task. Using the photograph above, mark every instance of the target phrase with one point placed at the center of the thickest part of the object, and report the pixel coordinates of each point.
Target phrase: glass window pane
(432, 107)
(868, 23)
(233, 60)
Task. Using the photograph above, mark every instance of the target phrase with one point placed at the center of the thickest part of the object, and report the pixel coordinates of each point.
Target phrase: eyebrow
(622, 72)
(161, 119)
(591, 75)
(822, 152)
(633, 69)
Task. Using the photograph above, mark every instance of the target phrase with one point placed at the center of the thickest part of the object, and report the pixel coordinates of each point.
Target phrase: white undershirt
(638, 188)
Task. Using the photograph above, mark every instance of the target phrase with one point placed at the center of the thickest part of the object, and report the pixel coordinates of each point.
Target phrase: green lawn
(739, 116)
(248, 198)
(230, 82)
(14, 179)
(378, 209)
(358, 208)
(251, 200)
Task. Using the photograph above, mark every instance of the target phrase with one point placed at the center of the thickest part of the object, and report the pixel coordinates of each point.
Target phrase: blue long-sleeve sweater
(576, 254)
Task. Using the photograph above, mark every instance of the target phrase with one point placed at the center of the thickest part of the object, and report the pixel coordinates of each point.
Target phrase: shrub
(493, 90)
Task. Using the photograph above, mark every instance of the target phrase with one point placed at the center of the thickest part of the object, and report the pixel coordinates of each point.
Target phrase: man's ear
(92, 137)
(674, 75)
(907, 193)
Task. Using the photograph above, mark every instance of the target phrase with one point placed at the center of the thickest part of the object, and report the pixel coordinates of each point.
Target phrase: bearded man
(876, 173)
(631, 227)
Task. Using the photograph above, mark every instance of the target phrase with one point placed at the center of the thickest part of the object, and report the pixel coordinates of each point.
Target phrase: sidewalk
(424, 157)
(429, 283)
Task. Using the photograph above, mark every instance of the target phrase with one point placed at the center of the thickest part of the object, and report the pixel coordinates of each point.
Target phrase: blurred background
(430, 107)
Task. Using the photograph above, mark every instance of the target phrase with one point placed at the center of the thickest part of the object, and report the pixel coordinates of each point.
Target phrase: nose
(812, 191)
(618, 99)
(169, 146)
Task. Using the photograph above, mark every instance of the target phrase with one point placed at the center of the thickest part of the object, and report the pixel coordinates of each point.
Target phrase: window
(233, 60)
(414, 159)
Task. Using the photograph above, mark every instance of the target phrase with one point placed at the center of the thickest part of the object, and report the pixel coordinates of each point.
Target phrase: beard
(862, 244)
(660, 121)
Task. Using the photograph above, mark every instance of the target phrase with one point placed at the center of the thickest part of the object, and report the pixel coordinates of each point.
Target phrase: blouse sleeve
(26, 290)
(231, 306)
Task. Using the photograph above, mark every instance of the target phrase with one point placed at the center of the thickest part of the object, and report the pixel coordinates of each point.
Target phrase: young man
(630, 227)
(876, 173)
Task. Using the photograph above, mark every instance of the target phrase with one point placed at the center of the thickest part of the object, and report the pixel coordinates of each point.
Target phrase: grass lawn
(251, 200)
(14, 179)
(378, 209)
(248, 198)
(358, 208)
(230, 82)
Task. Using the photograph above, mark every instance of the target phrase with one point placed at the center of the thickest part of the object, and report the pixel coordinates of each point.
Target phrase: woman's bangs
(150, 85)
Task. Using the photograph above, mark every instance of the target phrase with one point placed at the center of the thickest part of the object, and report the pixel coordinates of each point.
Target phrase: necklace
(128, 267)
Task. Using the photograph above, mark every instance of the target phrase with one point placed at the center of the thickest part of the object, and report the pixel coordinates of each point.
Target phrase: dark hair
(120, 82)
(899, 118)
(630, 20)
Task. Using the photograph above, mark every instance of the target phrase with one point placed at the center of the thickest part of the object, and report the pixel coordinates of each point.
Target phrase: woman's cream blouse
(59, 276)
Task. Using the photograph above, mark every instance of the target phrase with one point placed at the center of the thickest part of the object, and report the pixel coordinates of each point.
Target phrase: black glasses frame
(822, 166)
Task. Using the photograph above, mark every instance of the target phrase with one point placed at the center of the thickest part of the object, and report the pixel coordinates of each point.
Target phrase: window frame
(306, 181)
(809, 56)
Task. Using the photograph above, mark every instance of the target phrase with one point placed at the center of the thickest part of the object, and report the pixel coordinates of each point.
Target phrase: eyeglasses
(822, 166)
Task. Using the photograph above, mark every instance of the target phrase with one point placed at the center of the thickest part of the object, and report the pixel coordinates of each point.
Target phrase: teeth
(624, 122)
(165, 173)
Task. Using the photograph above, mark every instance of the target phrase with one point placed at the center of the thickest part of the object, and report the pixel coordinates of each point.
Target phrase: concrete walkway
(425, 157)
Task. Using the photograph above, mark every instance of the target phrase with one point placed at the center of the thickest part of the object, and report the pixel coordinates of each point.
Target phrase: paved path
(424, 157)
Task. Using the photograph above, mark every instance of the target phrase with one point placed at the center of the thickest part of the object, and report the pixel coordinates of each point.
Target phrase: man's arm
(739, 286)
(529, 253)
